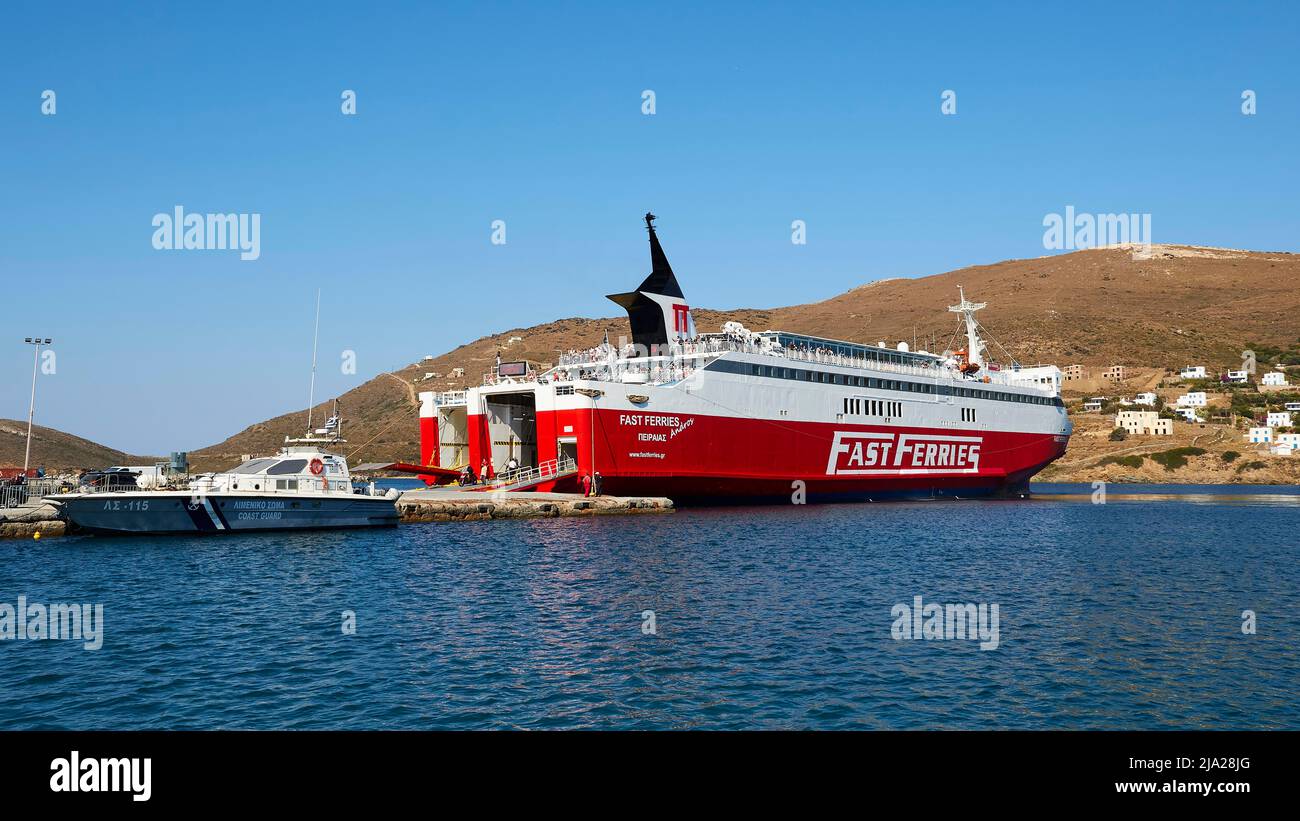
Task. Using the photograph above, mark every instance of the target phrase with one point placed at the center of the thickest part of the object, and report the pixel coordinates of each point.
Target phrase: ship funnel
(657, 309)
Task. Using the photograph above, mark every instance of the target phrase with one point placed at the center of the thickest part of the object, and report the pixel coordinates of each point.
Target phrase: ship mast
(974, 346)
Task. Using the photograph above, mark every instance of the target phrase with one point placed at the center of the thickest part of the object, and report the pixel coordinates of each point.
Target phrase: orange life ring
(317, 467)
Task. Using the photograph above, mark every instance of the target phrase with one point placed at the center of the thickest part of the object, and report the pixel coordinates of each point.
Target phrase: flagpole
(311, 395)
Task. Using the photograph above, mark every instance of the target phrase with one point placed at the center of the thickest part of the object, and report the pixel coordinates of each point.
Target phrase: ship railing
(490, 378)
(535, 473)
(682, 359)
(32, 491)
(641, 373)
(262, 483)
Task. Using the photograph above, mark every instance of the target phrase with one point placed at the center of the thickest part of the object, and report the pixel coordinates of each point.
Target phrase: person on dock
(596, 481)
(586, 484)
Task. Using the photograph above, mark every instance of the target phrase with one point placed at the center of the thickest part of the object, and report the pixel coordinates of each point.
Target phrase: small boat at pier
(303, 487)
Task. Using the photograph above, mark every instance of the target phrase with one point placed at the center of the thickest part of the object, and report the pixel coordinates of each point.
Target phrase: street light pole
(31, 408)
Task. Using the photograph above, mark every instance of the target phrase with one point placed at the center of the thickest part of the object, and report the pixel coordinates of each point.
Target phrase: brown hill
(1100, 307)
(58, 451)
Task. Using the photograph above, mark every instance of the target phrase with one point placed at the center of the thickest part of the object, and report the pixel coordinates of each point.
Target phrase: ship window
(286, 484)
(287, 466)
(252, 466)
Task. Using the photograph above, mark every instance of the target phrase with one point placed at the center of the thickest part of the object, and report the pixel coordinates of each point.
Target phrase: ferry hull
(162, 513)
(728, 490)
(702, 459)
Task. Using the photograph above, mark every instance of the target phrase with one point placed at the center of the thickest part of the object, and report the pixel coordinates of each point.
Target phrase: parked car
(110, 478)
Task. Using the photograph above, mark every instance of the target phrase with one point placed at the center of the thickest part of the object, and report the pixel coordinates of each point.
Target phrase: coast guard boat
(747, 415)
(303, 487)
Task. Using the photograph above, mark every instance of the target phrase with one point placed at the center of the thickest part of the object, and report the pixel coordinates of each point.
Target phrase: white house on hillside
(1193, 372)
(1148, 399)
(1275, 378)
(1289, 440)
(1188, 413)
(1193, 399)
(1237, 377)
(1278, 419)
(1260, 436)
(1144, 423)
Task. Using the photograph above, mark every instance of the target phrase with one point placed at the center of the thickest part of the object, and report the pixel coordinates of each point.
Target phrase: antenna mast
(974, 347)
(311, 394)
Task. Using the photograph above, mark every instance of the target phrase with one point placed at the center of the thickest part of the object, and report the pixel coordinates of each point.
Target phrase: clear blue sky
(471, 112)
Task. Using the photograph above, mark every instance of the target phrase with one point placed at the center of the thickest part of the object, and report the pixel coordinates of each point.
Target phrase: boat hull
(775, 462)
(165, 513)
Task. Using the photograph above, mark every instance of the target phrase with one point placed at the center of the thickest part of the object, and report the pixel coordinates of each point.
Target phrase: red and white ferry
(753, 416)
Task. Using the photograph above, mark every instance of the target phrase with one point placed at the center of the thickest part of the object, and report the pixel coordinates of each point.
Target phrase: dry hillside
(1096, 307)
(57, 451)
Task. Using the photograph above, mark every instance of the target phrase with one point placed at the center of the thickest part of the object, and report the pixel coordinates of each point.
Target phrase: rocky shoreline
(34, 521)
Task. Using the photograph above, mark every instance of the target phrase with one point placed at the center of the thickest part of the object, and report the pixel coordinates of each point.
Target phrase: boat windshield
(253, 466)
(288, 466)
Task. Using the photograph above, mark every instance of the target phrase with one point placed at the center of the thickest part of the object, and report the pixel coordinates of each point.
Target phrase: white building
(1236, 376)
(1092, 405)
(1188, 413)
(1292, 406)
(1148, 399)
(1144, 423)
(1278, 419)
(1193, 372)
(1260, 436)
(1275, 378)
(1193, 399)
(1291, 441)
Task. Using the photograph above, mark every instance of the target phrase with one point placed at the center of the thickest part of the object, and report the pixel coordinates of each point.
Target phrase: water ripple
(1124, 615)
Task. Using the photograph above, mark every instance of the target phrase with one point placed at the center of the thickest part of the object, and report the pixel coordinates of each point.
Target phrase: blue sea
(1127, 614)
